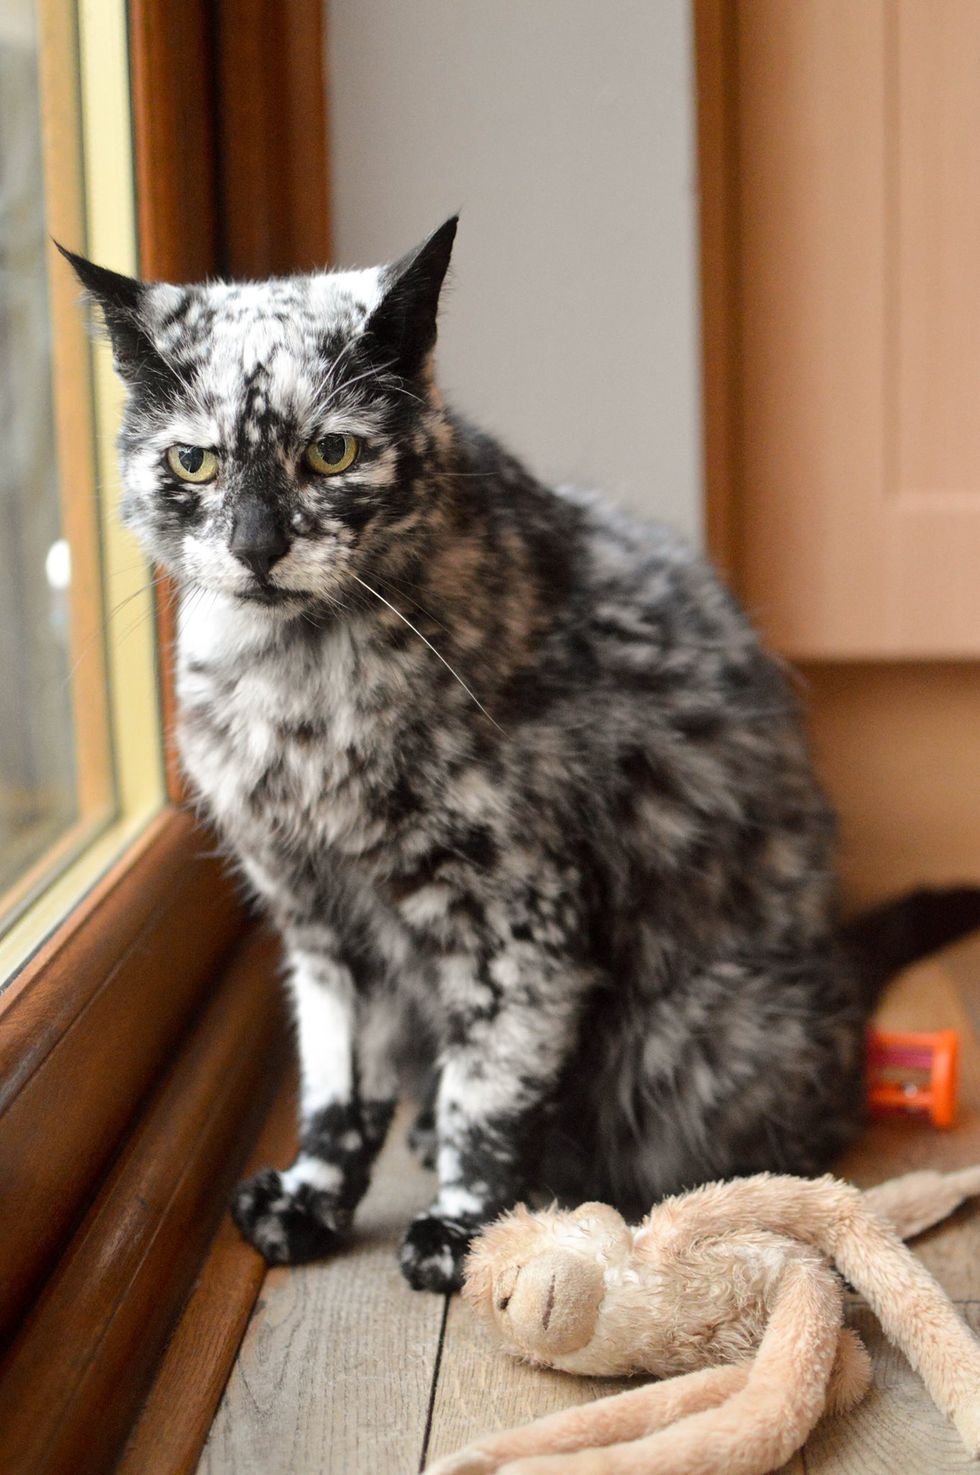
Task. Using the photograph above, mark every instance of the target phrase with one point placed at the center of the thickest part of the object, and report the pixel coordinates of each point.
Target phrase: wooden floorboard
(896, 1429)
(336, 1372)
(478, 1389)
(336, 1369)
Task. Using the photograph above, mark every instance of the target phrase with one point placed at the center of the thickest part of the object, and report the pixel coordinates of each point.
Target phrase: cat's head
(275, 435)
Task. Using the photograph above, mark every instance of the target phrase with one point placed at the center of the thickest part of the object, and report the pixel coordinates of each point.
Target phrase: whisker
(399, 587)
(392, 387)
(436, 653)
(374, 371)
(102, 625)
(331, 374)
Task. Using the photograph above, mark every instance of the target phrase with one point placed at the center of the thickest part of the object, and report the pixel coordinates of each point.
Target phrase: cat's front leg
(512, 1029)
(301, 1214)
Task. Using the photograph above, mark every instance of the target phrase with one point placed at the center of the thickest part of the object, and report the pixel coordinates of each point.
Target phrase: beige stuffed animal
(728, 1294)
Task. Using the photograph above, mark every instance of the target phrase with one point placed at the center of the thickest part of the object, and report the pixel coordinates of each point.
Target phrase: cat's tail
(897, 933)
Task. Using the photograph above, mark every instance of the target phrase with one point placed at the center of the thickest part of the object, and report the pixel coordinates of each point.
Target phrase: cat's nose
(258, 539)
(260, 560)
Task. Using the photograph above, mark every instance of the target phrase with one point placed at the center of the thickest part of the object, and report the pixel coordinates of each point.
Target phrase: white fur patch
(323, 1000)
(324, 1177)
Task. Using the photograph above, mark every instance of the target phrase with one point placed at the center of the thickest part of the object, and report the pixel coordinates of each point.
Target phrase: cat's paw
(287, 1224)
(432, 1253)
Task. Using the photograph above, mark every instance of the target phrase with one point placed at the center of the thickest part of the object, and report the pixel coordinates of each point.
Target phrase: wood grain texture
(86, 1029)
(935, 343)
(272, 141)
(174, 1421)
(171, 61)
(714, 29)
(811, 321)
(106, 932)
(896, 747)
(854, 462)
(73, 1378)
(335, 1371)
(896, 1429)
(479, 1389)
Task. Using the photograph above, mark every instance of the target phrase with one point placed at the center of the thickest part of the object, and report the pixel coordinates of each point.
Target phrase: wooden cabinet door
(855, 169)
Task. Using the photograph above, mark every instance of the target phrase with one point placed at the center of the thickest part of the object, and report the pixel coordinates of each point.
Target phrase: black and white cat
(511, 773)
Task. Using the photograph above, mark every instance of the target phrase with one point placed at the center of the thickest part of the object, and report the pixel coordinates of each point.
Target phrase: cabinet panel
(857, 316)
(934, 246)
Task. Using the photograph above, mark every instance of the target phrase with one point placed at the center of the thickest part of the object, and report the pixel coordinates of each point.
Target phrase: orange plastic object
(914, 1073)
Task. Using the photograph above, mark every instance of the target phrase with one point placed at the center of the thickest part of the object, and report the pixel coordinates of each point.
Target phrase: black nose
(258, 539)
(260, 560)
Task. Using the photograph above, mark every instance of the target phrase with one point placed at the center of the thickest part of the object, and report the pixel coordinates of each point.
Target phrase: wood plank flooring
(344, 1371)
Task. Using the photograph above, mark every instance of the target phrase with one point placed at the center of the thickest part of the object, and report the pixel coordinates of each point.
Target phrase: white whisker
(436, 653)
(372, 372)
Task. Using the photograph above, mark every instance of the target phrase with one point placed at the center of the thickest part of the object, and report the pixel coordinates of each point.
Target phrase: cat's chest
(279, 740)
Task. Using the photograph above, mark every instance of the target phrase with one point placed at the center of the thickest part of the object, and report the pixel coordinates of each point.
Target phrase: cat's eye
(332, 454)
(192, 463)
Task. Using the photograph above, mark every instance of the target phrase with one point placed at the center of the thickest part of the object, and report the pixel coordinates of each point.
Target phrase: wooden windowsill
(78, 1366)
(87, 1026)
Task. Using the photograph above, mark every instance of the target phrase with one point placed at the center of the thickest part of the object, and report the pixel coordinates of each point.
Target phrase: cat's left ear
(119, 299)
(404, 322)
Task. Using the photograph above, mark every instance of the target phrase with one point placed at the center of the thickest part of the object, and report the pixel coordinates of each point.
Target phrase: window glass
(38, 788)
(80, 747)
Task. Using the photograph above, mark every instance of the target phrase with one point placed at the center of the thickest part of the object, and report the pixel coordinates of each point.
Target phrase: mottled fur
(584, 874)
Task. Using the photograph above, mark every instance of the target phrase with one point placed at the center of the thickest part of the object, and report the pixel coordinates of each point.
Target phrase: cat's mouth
(269, 594)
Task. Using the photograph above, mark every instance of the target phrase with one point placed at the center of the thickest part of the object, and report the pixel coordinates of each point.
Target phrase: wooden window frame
(714, 47)
(141, 1044)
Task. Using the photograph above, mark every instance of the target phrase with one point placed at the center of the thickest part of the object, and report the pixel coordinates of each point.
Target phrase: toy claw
(914, 1072)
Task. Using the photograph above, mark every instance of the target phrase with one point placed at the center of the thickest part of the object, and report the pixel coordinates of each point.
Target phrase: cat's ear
(404, 321)
(119, 299)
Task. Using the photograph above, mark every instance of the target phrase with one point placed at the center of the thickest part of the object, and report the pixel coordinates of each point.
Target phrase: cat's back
(694, 760)
(648, 585)
(649, 628)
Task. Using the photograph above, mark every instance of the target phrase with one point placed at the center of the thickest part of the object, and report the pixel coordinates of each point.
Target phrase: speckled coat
(529, 805)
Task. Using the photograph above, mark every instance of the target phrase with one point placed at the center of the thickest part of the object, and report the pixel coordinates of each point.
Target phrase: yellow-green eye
(192, 463)
(332, 454)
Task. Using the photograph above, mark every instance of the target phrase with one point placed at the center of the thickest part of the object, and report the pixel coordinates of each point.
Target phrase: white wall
(563, 130)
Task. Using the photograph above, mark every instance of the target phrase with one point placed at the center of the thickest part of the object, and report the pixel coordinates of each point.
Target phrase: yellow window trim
(134, 699)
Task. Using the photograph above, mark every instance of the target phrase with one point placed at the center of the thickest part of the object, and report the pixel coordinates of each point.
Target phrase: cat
(529, 805)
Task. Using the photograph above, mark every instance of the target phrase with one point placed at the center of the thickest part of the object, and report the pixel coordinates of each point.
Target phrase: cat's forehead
(260, 348)
(247, 319)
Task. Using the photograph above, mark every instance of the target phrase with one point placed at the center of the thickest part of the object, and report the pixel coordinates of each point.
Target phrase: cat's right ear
(404, 322)
(119, 299)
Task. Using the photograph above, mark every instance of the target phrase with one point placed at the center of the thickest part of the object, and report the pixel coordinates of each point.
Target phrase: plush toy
(727, 1294)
